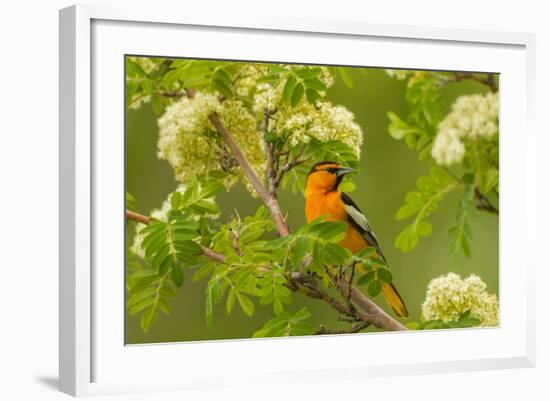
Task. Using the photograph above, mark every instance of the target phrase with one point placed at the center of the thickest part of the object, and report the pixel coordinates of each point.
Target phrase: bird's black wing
(360, 222)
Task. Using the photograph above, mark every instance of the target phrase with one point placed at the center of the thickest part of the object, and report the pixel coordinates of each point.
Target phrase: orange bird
(324, 198)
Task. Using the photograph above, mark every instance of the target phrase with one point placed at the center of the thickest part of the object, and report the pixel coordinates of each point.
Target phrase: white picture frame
(93, 358)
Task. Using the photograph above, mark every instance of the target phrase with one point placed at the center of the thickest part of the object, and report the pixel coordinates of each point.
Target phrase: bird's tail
(394, 300)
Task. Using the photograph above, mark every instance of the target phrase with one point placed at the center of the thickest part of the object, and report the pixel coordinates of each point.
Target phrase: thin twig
(270, 201)
(482, 203)
(489, 80)
(270, 154)
(375, 315)
(356, 328)
(289, 165)
(137, 217)
(235, 235)
(352, 274)
(308, 285)
(209, 253)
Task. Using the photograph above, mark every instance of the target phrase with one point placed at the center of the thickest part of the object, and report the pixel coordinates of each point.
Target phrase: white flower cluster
(399, 74)
(450, 296)
(326, 77)
(472, 117)
(266, 97)
(248, 76)
(182, 140)
(324, 121)
(187, 138)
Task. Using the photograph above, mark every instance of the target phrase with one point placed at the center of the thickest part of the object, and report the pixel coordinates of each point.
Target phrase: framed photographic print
(312, 190)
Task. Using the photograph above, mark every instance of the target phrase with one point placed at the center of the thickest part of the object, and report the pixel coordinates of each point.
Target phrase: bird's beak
(343, 171)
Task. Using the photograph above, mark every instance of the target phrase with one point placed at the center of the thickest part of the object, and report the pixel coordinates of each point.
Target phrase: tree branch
(270, 154)
(137, 217)
(489, 80)
(356, 328)
(308, 285)
(289, 165)
(209, 253)
(482, 203)
(270, 201)
(374, 314)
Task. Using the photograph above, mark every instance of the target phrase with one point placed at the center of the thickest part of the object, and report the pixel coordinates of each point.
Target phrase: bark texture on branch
(376, 315)
(269, 200)
(137, 217)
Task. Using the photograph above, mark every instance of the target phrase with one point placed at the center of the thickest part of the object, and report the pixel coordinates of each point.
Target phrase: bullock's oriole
(324, 199)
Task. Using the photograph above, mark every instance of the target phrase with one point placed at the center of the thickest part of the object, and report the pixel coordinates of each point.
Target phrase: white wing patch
(359, 218)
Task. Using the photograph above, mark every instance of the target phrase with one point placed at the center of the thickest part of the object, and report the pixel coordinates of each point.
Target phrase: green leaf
(164, 306)
(308, 73)
(367, 278)
(203, 272)
(175, 200)
(246, 304)
(407, 239)
(222, 87)
(209, 306)
(140, 305)
(147, 292)
(130, 201)
(424, 228)
(312, 95)
(336, 151)
(384, 275)
(297, 94)
(315, 84)
(177, 276)
(302, 314)
(423, 202)
(148, 87)
(367, 252)
(222, 75)
(148, 318)
(336, 254)
(408, 209)
(345, 74)
(489, 181)
(230, 300)
(301, 329)
(300, 249)
(286, 325)
(319, 256)
(461, 233)
(399, 128)
(374, 288)
(289, 88)
(347, 186)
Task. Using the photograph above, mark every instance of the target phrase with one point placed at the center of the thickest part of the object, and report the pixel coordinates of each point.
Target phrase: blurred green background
(388, 171)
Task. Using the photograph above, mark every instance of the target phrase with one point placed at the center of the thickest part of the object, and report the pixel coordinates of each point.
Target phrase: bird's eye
(331, 170)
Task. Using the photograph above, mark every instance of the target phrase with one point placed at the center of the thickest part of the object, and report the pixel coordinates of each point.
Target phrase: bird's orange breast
(331, 204)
